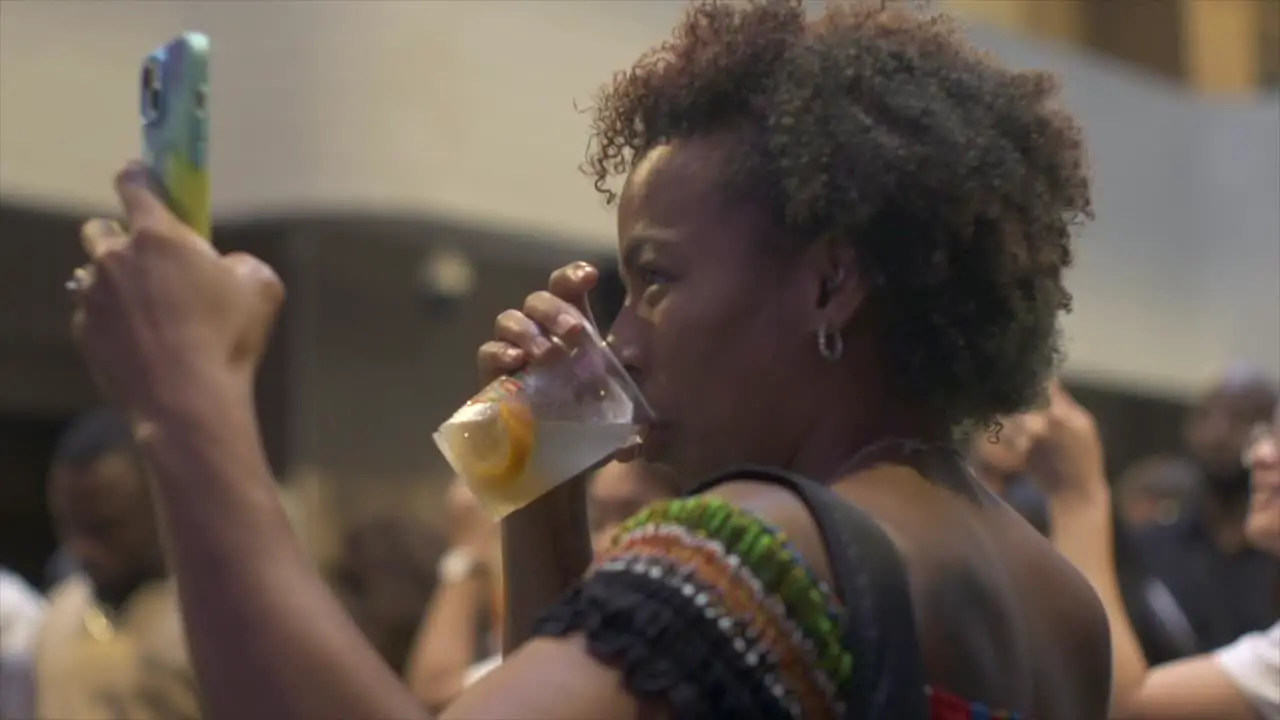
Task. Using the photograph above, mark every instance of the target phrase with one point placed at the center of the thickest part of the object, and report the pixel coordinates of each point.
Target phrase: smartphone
(175, 127)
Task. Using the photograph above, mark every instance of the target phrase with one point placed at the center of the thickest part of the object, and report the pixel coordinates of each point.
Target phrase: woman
(1239, 682)
(842, 241)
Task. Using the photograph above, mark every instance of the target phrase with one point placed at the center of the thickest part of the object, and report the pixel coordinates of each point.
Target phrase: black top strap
(871, 579)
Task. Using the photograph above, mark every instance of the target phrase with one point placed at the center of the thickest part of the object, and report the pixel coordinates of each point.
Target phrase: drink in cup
(526, 433)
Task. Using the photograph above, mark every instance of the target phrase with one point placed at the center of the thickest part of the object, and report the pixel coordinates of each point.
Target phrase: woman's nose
(624, 341)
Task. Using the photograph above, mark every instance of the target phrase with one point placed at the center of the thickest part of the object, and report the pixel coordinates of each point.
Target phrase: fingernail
(541, 345)
(565, 323)
(511, 354)
(134, 172)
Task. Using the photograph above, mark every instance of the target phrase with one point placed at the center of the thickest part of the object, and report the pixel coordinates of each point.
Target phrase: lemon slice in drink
(495, 450)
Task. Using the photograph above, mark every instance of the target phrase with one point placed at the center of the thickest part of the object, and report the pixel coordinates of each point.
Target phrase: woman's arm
(1192, 689)
(546, 546)
(173, 331)
(699, 608)
(446, 644)
(267, 637)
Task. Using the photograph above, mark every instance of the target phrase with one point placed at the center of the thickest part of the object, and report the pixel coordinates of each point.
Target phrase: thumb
(142, 206)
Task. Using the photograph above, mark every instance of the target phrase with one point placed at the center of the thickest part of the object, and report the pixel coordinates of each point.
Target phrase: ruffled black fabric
(666, 649)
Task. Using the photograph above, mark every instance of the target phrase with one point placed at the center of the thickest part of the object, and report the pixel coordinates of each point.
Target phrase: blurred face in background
(1158, 490)
(998, 457)
(619, 490)
(103, 515)
(1220, 425)
(1262, 455)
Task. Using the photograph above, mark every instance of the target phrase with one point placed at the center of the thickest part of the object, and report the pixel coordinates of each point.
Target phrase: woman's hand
(1067, 458)
(524, 336)
(159, 312)
(545, 545)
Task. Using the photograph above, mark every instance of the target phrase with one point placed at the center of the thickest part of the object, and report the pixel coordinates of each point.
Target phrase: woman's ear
(840, 290)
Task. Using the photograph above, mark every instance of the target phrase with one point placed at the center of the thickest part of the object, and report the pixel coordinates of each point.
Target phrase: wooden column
(1221, 45)
(1008, 14)
(1060, 20)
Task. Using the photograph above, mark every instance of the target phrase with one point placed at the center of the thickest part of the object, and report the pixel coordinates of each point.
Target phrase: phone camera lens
(152, 87)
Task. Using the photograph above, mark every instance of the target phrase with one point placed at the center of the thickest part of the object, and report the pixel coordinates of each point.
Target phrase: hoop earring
(830, 344)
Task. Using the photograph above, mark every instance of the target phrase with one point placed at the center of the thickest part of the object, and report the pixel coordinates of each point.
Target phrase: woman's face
(1262, 455)
(718, 334)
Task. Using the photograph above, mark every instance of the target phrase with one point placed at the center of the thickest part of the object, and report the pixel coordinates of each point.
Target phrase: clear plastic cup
(526, 433)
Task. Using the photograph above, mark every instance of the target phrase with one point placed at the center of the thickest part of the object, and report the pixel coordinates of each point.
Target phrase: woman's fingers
(518, 329)
(100, 236)
(497, 358)
(561, 318)
(573, 283)
(530, 334)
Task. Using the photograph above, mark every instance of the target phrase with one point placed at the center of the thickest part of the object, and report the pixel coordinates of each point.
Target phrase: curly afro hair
(958, 182)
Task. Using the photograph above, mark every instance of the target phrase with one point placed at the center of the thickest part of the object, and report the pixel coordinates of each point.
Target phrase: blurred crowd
(102, 637)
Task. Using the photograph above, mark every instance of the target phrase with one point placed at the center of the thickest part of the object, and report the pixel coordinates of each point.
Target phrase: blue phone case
(175, 127)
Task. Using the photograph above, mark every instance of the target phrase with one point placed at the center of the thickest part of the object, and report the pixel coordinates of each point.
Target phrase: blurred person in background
(1224, 586)
(61, 565)
(1159, 490)
(21, 612)
(458, 636)
(1240, 681)
(1000, 463)
(384, 575)
(112, 645)
(458, 641)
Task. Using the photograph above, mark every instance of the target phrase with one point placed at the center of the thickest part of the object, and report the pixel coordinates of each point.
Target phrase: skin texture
(927, 229)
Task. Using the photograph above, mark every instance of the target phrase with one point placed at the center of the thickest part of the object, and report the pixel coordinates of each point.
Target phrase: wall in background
(467, 111)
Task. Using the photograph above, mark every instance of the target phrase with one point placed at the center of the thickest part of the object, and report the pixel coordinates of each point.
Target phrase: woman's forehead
(681, 176)
(676, 196)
